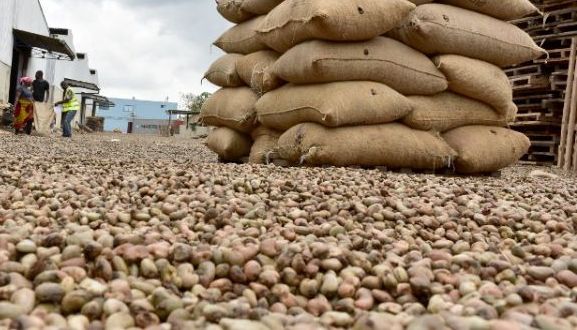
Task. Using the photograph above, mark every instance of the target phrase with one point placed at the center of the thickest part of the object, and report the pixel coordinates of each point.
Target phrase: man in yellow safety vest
(70, 106)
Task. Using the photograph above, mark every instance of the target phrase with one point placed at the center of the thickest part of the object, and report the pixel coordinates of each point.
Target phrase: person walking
(24, 110)
(70, 106)
(43, 113)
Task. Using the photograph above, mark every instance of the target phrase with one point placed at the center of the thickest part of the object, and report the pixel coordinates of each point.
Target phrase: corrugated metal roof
(54, 45)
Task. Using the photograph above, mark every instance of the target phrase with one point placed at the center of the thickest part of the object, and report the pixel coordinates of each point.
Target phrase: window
(128, 108)
(149, 126)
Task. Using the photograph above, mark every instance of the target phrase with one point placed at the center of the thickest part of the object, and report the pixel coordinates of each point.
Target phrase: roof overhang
(82, 84)
(44, 44)
(180, 112)
(99, 99)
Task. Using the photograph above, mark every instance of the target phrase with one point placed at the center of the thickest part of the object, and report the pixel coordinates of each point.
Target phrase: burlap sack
(512, 113)
(232, 10)
(446, 111)
(333, 104)
(502, 9)
(441, 29)
(229, 144)
(242, 38)
(43, 117)
(478, 80)
(484, 149)
(265, 142)
(391, 145)
(256, 71)
(382, 60)
(295, 21)
(223, 71)
(232, 108)
(260, 7)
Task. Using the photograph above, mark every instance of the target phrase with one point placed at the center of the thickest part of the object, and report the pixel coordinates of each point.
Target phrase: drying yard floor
(117, 232)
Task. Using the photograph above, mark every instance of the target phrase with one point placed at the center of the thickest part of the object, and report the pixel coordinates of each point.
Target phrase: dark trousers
(68, 117)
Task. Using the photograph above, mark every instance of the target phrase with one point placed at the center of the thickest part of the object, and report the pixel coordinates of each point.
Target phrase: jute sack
(333, 104)
(232, 108)
(478, 80)
(484, 149)
(265, 143)
(391, 145)
(228, 144)
(512, 113)
(256, 71)
(232, 10)
(223, 71)
(260, 7)
(382, 60)
(295, 21)
(445, 111)
(442, 29)
(242, 38)
(43, 117)
(502, 9)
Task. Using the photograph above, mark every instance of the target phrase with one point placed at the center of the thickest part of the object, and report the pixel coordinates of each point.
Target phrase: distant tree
(194, 102)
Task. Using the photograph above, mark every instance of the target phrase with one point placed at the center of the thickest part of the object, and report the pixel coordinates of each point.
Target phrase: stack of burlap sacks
(370, 82)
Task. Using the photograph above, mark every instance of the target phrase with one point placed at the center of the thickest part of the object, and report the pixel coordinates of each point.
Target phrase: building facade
(156, 127)
(28, 44)
(126, 112)
(21, 15)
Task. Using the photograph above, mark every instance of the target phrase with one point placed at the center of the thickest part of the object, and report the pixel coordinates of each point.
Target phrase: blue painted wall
(125, 110)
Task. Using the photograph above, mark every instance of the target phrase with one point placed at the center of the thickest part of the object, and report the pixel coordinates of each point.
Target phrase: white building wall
(6, 25)
(26, 15)
(6, 45)
(55, 71)
(29, 16)
(4, 82)
(69, 39)
(94, 78)
(78, 69)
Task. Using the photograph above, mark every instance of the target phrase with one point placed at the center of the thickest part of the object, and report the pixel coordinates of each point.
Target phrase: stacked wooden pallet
(540, 86)
(96, 124)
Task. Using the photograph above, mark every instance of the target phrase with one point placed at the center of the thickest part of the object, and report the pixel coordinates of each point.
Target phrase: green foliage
(194, 102)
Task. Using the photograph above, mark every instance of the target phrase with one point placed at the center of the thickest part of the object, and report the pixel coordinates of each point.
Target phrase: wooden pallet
(544, 147)
(531, 69)
(554, 22)
(538, 137)
(529, 109)
(537, 116)
(547, 6)
(541, 104)
(555, 56)
(541, 157)
(530, 82)
(532, 98)
(558, 80)
(554, 103)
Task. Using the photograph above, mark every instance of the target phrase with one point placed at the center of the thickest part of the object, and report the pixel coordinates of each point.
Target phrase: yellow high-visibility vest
(73, 104)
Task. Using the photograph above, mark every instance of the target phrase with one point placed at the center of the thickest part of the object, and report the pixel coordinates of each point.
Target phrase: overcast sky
(148, 49)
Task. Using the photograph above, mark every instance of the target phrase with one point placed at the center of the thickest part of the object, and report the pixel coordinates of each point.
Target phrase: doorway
(20, 59)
